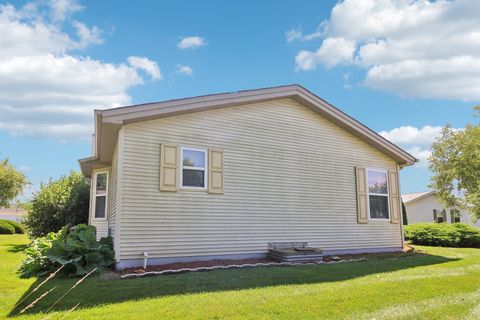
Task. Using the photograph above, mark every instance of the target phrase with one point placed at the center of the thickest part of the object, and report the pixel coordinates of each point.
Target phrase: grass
(443, 283)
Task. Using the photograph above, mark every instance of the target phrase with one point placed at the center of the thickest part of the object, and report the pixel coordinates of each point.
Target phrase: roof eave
(114, 118)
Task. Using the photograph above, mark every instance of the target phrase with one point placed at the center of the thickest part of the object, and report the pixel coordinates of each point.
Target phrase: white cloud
(63, 9)
(412, 135)
(24, 168)
(149, 66)
(186, 70)
(416, 141)
(292, 35)
(87, 36)
(412, 48)
(332, 52)
(46, 88)
(295, 34)
(191, 42)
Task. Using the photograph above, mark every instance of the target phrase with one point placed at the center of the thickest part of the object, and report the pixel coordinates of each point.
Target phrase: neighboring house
(221, 176)
(425, 207)
(14, 213)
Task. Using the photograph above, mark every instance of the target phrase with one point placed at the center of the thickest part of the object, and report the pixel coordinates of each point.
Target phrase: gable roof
(406, 198)
(108, 122)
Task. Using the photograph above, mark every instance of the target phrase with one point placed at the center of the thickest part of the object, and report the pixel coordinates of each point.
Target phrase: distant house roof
(415, 196)
(412, 197)
(12, 211)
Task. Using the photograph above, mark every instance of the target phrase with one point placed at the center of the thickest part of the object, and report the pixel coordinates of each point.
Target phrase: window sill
(192, 189)
(379, 220)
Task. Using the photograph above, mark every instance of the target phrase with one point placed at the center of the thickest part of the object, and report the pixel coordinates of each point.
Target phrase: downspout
(402, 234)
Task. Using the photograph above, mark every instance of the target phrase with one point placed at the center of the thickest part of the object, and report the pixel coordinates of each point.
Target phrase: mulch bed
(193, 265)
(214, 263)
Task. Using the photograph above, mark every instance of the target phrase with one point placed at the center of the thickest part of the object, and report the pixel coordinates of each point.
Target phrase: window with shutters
(193, 173)
(101, 189)
(378, 194)
(455, 215)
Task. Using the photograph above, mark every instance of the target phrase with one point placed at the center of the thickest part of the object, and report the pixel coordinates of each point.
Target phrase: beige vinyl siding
(289, 175)
(112, 194)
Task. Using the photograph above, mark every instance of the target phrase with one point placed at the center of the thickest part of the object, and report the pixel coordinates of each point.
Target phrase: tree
(58, 203)
(404, 214)
(455, 163)
(12, 182)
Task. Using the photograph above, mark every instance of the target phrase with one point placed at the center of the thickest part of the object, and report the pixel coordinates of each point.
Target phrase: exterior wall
(112, 195)
(421, 210)
(13, 213)
(288, 176)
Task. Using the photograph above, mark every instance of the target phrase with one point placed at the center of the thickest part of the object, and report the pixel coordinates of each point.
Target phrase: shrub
(443, 234)
(17, 226)
(75, 248)
(6, 228)
(58, 203)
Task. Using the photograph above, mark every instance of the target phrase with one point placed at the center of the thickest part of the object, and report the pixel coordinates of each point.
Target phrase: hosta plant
(75, 248)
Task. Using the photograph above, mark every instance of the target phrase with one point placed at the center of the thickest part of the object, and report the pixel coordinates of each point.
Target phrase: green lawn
(442, 284)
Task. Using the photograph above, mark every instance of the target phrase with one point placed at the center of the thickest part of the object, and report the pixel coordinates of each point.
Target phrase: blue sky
(381, 62)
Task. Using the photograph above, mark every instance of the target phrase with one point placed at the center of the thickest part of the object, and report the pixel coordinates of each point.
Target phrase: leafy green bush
(443, 234)
(17, 226)
(6, 228)
(75, 248)
(58, 203)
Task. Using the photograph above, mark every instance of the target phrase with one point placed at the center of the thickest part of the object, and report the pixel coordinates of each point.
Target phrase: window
(378, 194)
(455, 215)
(101, 185)
(193, 168)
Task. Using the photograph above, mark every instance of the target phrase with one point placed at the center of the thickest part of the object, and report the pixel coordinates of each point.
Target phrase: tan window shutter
(394, 196)
(362, 210)
(169, 166)
(215, 171)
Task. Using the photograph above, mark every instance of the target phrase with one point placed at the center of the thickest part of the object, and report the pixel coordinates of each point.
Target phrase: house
(13, 213)
(425, 207)
(224, 175)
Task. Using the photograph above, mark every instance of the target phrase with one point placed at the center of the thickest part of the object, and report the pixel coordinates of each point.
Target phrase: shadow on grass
(98, 291)
(14, 248)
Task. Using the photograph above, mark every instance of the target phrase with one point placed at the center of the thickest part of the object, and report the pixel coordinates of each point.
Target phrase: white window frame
(378, 194)
(102, 194)
(204, 169)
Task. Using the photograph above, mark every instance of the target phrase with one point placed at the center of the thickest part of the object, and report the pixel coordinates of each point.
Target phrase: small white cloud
(147, 65)
(332, 52)
(24, 168)
(191, 42)
(292, 35)
(87, 36)
(62, 9)
(305, 60)
(186, 70)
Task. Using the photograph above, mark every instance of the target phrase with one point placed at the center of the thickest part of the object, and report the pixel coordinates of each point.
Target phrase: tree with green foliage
(12, 182)
(455, 163)
(58, 203)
